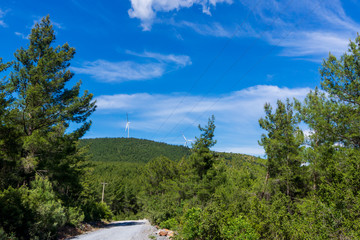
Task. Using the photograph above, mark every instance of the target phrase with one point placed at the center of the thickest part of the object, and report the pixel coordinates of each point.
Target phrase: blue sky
(170, 64)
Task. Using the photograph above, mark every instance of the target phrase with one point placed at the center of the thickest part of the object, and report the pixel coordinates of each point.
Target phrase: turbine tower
(127, 125)
(186, 141)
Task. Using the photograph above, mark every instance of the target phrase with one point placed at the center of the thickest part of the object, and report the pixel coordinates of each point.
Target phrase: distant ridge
(131, 150)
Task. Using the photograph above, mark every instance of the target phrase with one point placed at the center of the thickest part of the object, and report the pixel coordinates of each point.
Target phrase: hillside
(142, 151)
(131, 150)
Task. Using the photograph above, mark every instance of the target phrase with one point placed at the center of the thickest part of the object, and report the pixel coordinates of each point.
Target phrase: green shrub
(95, 211)
(34, 213)
(74, 216)
(48, 212)
(171, 223)
(238, 228)
(191, 224)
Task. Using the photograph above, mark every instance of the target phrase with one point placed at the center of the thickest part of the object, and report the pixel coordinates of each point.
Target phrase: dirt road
(122, 230)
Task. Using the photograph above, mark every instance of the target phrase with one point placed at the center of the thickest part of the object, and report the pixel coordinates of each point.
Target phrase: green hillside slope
(131, 150)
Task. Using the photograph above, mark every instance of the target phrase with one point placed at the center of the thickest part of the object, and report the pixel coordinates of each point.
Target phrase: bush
(171, 223)
(95, 211)
(74, 216)
(191, 224)
(31, 213)
(238, 228)
(48, 212)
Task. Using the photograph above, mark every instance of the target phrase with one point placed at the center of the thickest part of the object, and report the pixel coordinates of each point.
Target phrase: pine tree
(202, 157)
(282, 145)
(318, 113)
(341, 79)
(43, 109)
(333, 152)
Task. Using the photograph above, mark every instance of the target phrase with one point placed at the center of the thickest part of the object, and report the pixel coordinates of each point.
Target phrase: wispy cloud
(2, 15)
(181, 60)
(21, 35)
(217, 29)
(303, 29)
(314, 45)
(129, 70)
(146, 10)
(291, 25)
(250, 101)
(120, 71)
(236, 113)
(214, 29)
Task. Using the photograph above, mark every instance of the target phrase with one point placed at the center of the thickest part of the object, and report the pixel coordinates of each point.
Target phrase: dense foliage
(131, 150)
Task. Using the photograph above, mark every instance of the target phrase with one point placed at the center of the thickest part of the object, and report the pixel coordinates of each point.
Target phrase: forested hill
(131, 150)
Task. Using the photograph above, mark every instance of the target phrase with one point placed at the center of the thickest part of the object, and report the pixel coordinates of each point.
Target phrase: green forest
(131, 150)
(307, 187)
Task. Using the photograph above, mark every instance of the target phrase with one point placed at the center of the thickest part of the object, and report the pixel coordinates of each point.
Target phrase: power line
(208, 67)
(241, 78)
(228, 70)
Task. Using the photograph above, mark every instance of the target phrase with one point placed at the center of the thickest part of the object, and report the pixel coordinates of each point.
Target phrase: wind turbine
(186, 141)
(127, 125)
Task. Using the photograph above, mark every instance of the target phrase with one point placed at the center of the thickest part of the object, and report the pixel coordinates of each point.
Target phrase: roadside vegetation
(306, 188)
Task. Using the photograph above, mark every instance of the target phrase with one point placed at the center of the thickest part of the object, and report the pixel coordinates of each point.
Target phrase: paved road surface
(122, 230)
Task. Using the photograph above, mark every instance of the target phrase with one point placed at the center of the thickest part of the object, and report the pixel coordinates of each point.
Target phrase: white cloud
(317, 44)
(129, 70)
(181, 60)
(250, 101)
(2, 15)
(306, 29)
(21, 35)
(290, 26)
(236, 113)
(120, 71)
(146, 10)
(213, 29)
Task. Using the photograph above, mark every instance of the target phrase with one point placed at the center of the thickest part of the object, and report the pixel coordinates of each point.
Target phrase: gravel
(121, 230)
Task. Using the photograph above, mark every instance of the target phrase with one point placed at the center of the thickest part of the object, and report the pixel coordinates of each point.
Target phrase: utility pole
(102, 197)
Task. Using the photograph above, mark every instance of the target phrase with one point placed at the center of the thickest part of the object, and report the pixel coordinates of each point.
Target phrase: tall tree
(282, 145)
(334, 118)
(319, 114)
(333, 152)
(341, 79)
(43, 108)
(202, 157)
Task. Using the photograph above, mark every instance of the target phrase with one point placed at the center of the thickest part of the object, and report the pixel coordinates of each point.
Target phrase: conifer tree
(318, 113)
(44, 107)
(282, 145)
(202, 158)
(341, 79)
(334, 119)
